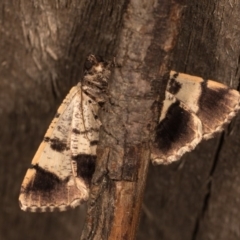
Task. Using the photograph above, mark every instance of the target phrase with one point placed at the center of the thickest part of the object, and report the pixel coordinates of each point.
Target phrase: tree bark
(197, 197)
(146, 41)
(43, 47)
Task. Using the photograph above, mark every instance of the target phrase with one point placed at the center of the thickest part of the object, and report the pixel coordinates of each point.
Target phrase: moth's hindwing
(64, 163)
(213, 103)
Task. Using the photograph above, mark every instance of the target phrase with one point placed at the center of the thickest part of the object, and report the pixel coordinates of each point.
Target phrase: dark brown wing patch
(178, 131)
(217, 106)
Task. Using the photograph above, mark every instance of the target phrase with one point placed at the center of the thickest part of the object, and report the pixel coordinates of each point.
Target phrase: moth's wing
(214, 103)
(54, 180)
(179, 130)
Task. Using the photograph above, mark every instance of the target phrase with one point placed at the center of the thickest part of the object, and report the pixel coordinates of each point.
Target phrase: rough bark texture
(147, 37)
(43, 47)
(197, 198)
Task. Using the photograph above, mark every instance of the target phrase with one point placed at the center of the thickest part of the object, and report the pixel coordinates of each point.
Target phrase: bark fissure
(207, 197)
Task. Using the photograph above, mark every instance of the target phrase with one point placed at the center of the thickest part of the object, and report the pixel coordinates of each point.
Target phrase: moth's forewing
(179, 131)
(60, 173)
(214, 104)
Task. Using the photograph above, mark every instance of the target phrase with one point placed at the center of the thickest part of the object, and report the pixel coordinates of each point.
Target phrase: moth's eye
(99, 58)
(88, 64)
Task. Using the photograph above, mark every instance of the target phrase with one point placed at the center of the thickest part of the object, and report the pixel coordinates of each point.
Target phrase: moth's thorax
(96, 76)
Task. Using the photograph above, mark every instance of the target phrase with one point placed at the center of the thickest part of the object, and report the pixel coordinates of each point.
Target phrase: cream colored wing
(64, 162)
(212, 103)
(179, 131)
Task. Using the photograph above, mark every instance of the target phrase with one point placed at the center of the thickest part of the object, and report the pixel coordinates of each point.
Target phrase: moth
(61, 170)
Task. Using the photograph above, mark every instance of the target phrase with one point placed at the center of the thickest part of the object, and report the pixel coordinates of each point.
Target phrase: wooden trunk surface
(197, 198)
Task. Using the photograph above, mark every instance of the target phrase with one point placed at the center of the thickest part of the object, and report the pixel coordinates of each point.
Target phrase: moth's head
(95, 65)
(96, 76)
